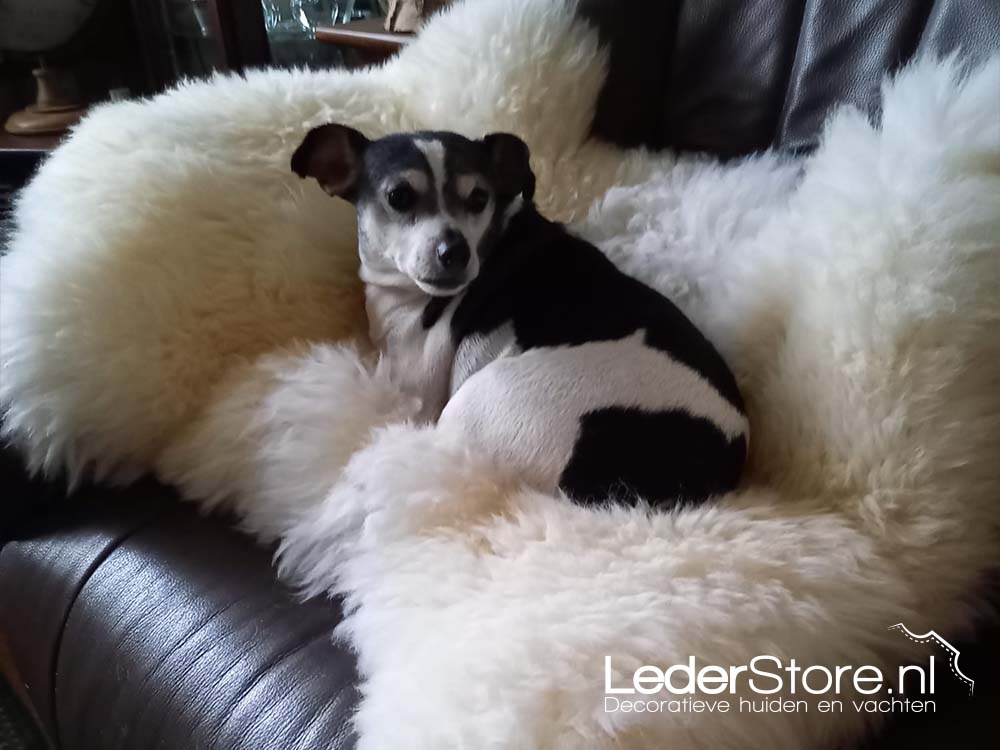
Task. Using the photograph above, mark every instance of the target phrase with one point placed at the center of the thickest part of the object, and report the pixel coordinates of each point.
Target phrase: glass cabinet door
(193, 37)
(291, 28)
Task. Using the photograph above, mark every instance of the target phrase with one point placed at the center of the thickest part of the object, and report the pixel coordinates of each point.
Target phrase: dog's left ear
(509, 164)
(332, 154)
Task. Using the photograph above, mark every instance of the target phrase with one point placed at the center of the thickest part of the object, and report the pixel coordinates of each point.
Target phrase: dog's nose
(453, 251)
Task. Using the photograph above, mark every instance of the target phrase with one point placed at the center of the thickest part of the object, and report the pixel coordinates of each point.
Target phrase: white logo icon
(937, 640)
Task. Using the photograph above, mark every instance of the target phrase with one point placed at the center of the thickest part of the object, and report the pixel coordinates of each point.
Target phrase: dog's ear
(509, 165)
(332, 154)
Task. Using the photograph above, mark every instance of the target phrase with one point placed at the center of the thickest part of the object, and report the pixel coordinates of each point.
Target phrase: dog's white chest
(419, 358)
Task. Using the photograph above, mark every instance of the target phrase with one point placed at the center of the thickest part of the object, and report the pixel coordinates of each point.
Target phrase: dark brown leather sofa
(137, 624)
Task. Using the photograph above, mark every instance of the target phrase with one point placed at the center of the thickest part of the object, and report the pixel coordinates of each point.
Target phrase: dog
(521, 338)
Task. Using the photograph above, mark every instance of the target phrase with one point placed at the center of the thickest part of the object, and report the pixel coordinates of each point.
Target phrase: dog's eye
(477, 200)
(402, 197)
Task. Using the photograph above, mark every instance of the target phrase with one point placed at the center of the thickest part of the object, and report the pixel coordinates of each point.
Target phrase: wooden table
(366, 41)
(27, 143)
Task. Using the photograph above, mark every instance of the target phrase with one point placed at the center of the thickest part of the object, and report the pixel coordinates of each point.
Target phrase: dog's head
(430, 205)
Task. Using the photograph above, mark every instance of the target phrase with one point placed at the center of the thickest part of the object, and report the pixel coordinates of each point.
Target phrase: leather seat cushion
(129, 605)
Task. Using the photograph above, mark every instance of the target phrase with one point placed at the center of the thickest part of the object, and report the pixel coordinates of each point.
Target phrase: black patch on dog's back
(663, 457)
(559, 290)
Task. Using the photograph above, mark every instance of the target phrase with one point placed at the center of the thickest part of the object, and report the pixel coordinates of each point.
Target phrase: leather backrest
(732, 77)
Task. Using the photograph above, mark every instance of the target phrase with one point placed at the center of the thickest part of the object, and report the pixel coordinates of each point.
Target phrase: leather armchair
(136, 623)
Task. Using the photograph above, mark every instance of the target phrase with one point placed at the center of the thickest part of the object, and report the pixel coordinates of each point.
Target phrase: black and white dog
(526, 339)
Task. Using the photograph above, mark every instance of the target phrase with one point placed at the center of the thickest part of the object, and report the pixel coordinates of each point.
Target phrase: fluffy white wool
(168, 307)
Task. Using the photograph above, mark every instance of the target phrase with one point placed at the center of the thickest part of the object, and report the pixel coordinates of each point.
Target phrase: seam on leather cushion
(81, 583)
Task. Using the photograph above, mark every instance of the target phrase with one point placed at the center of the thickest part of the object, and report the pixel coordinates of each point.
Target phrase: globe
(41, 25)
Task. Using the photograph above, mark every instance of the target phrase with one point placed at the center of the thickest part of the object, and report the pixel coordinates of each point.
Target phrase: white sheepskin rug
(175, 300)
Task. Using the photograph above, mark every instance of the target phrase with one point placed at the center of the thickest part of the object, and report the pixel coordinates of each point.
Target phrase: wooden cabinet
(364, 42)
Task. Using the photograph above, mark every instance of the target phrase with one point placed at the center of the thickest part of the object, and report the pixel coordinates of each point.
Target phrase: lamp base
(34, 121)
(56, 108)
